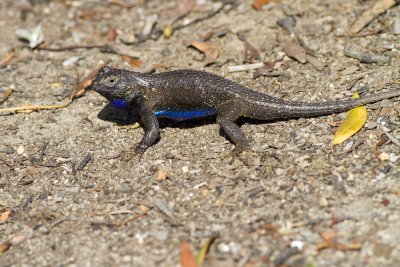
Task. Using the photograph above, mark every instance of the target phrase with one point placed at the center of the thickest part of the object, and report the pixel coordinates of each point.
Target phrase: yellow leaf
(204, 250)
(354, 121)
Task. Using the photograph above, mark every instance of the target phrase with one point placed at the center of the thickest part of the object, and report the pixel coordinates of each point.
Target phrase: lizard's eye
(111, 80)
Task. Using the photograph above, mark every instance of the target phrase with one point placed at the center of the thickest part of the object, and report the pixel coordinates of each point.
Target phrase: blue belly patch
(184, 114)
(118, 103)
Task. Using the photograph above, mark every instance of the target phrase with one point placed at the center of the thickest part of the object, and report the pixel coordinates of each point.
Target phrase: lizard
(188, 94)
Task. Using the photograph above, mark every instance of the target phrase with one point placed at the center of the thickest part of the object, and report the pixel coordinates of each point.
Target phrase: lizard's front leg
(150, 126)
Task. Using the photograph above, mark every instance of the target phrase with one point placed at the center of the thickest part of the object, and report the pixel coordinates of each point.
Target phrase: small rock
(323, 202)
(20, 150)
(43, 230)
(350, 70)
(383, 156)
(386, 103)
(393, 157)
(124, 188)
(396, 26)
(8, 150)
(71, 61)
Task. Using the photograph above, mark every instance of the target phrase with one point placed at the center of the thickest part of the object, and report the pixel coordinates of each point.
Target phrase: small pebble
(393, 157)
(386, 103)
(384, 156)
(20, 150)
(43, 230)
(8, 150)
(396, 26)
(123, 188)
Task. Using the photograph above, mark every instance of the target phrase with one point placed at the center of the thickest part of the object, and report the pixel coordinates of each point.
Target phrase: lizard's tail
(302, 109)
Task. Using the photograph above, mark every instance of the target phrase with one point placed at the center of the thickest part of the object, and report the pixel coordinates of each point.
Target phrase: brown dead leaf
(186, 258)
(5, 246)
(7, 59)
(4, 216)
(268, 67)
(211, 51)
(112, 35)
(378, 8)
(134, 62)
(330, 241)
(258, 4)
(294, 50)
(251, 54)
(181, 9)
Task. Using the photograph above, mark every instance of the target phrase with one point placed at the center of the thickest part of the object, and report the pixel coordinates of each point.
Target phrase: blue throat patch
(184, 114)
(118, 103)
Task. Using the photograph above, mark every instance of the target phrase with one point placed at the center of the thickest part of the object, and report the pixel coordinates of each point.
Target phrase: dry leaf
(134, 62)
(257, 4)
(378, 8)
(294, 50)
(112, 35)
(182, 8)
(5, 246)
(354, 121)
(4, 61)
(187, 259)
(4, 216)
(211, 51)
(251, 54)
(204, 250)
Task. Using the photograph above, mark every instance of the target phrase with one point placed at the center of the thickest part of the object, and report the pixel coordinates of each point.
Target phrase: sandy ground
(294, 200)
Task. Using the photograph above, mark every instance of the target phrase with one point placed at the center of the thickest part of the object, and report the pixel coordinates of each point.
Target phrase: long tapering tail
(304, 109)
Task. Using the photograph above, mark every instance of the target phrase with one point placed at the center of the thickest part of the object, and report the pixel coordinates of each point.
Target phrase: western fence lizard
(187, 94)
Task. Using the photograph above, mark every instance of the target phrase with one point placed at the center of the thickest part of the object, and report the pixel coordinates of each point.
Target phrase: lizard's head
(117, 85)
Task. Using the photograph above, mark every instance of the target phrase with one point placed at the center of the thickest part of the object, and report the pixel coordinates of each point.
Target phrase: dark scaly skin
(190, 90)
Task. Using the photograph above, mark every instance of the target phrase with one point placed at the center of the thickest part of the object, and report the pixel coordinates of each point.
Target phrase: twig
(6, 94)
(289, 24)
(30, 108)
(208, 16)
(365, 57)
(83, 162)
(103, 48)
(77, 91)
(156, 33)
(121, 3)
(390, 136)
(245, 67)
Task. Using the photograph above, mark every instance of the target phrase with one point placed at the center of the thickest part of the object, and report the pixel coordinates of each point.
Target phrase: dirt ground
(73, 194)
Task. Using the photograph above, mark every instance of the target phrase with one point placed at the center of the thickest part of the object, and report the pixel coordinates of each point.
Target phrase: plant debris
(378, 8)
(211, 51)
(365, 57)
(354, 121)
(35, 36)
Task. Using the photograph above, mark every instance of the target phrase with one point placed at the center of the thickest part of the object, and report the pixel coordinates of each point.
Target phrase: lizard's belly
(184, 114)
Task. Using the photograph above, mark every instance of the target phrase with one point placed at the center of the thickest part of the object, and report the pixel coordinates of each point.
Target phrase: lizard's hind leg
(227, 115)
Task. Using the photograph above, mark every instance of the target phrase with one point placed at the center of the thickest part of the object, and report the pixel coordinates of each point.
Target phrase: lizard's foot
(242, 147)
(140, 149)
